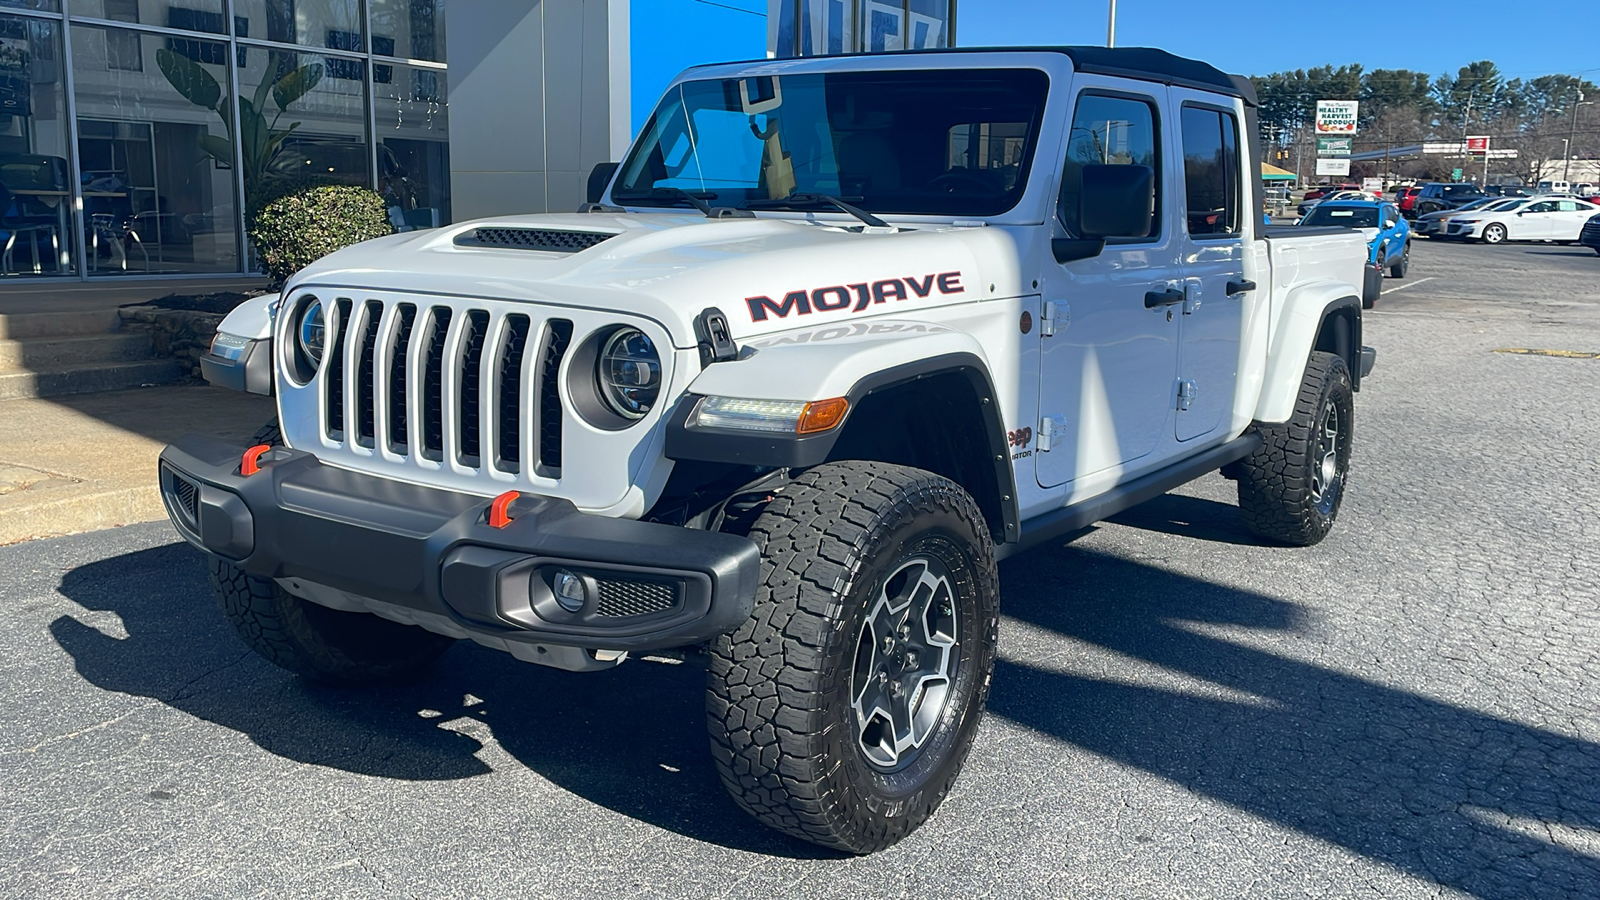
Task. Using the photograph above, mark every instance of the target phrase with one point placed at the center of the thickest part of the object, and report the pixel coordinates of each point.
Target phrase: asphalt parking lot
(1410, 709)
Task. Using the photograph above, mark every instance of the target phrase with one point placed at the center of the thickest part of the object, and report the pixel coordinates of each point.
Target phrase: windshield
(953, 142)
(1348, 216)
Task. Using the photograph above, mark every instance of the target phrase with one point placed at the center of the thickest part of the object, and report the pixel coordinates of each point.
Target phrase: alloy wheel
(905, 663)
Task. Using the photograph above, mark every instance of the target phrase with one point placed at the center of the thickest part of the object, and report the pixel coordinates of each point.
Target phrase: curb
(89, 511)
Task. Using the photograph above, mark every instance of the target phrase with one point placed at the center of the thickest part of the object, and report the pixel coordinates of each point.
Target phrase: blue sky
(1251, 37)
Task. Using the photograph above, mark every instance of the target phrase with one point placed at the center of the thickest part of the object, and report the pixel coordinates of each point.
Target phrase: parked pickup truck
(835, 336)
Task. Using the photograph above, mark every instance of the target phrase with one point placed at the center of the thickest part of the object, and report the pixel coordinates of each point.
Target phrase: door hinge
(1056, 315)
(1050, 428)
(1186, 393)
(1191, 298)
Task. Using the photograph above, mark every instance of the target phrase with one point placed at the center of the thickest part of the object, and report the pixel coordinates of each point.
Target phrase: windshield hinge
(716, 341)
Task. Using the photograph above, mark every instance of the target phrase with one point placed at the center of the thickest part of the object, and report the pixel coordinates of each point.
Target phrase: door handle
(1169, 297)
(1240, 287)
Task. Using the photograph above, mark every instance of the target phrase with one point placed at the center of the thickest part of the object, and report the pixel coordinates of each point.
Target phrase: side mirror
(599, 177)
(1113, 202)
(1389, 223)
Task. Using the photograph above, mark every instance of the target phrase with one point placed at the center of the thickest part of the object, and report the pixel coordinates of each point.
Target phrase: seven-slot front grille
(474, 386)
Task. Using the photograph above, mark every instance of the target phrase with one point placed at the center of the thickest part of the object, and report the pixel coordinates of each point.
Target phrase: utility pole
(1572, 132)
(1111, 25)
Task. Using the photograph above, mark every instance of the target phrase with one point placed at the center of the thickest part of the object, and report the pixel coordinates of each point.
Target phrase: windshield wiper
(801, 200)
(698, 201)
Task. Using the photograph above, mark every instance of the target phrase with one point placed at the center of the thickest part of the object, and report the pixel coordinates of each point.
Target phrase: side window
(1569, 206)
(1546, 206)
(1210, 171)
(1112, 131)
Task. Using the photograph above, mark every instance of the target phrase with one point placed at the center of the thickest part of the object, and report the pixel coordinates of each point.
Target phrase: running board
(1146, 487)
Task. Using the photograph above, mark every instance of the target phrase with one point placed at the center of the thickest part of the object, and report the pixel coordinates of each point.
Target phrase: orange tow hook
(500, 509)
(249, 464)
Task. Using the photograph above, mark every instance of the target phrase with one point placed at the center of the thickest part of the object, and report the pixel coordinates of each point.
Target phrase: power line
(748, 12)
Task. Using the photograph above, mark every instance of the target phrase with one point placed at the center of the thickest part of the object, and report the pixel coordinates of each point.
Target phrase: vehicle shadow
(1191, 517)
(1585, 253)
(1469, 800)
(631, 739)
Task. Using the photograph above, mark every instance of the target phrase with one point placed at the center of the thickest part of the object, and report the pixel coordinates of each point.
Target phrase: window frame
(1158, 216)
(1231, 177)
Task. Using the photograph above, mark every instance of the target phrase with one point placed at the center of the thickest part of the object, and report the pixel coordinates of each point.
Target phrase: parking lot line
(1407, 284)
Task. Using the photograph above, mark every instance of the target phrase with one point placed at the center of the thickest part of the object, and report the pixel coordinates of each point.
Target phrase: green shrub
(295, 231)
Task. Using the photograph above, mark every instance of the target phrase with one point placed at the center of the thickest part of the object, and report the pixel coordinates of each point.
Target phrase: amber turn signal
(821, 415)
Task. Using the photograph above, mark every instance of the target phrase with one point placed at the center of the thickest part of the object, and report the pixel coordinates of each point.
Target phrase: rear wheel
(315, 641)
(843, 709)
(1494, 233)
(1398, 270)
(1291, 488)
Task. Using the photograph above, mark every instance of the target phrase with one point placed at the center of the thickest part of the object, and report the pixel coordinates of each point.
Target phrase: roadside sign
(1372, 185)
(1478, 144)
(1334, 146)
(1333, 167)
(1336, 116)
(1455, 174)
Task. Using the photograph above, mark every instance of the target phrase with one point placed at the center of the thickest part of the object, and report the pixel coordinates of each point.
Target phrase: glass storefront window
(39, 5)
(409, 29)
(189, 15)
(930, 24)
(304, 126)
(413, 144)
(35, 191)
(331, 24)
(155, 160)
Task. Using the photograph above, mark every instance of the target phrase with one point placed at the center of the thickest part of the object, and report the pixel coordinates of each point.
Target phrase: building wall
(538, 95)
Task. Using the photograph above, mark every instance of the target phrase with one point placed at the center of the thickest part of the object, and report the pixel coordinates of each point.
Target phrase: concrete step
(52, 381)
(46, 352)
(14, 326)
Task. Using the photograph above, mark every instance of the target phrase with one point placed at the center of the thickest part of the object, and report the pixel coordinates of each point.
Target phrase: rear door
(1567, 224)
(1211, 245)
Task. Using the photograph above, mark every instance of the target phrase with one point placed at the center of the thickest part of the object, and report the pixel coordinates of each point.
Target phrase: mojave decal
(843, 296)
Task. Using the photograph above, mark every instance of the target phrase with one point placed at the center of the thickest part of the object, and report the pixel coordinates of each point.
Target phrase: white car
(723, 408)
(1533, 219)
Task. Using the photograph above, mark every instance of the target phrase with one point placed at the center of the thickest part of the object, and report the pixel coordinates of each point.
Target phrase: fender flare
(888, 364)
(1305, 311)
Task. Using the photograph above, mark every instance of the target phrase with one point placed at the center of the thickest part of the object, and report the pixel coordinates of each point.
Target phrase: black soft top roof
(1142, 63)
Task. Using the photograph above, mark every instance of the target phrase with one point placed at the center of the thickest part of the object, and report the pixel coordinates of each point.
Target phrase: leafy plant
(261, 138)
(296, 230)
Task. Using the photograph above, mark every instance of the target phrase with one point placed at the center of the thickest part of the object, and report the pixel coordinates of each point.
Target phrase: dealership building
(118, 118)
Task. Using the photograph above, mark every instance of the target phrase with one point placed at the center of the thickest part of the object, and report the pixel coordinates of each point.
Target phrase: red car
(1405, 197)
(1325, 190)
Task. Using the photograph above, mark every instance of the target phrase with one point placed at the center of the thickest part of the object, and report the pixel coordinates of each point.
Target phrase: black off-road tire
(784, 732)
(269, 434)
(1277, 493)
(317, 642)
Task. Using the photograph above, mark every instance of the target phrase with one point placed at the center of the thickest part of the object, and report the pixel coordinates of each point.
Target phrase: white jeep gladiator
(836, 336)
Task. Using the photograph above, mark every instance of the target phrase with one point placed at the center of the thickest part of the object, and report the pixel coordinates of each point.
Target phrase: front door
(1535, 221)
(1108, 357)
(1211, 243)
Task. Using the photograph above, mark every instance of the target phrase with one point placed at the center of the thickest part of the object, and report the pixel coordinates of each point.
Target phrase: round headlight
(629, 371)
(311, 331)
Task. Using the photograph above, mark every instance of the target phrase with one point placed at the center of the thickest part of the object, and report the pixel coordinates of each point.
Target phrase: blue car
(1388, 237)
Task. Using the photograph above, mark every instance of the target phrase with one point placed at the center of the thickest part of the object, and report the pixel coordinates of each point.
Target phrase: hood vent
(547, 239)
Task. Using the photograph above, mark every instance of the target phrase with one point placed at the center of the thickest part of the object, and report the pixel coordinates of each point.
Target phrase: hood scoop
(547, 239)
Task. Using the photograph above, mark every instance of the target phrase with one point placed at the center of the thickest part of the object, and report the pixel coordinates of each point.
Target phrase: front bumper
(429, 556)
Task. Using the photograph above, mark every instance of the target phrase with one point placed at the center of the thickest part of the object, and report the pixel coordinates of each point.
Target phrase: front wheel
(1291, 488)
(1494, 233)
(843, 709)
(315, 641)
